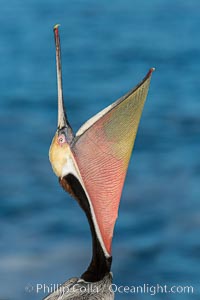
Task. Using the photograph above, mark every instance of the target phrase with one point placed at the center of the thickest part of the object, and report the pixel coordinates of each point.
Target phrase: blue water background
(107, 48)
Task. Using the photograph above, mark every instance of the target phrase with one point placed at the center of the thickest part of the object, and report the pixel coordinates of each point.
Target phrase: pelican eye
(61, 139)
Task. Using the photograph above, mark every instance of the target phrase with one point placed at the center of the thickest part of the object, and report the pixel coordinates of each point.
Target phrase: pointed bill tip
(56, 31)
(56, 27)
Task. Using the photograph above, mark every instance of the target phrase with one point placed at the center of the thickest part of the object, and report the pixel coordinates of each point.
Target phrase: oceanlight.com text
(152, 290)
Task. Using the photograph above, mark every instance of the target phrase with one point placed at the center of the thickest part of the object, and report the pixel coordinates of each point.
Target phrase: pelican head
(59, 152)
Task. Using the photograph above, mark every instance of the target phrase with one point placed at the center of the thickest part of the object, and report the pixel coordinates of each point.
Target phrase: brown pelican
(92, 166)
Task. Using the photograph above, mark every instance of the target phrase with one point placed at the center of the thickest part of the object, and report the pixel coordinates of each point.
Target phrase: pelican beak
(62, 116)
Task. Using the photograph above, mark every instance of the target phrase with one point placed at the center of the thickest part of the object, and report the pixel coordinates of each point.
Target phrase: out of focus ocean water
(107, 48)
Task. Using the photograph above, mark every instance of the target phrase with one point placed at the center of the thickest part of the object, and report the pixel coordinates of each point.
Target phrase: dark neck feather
(99, 265)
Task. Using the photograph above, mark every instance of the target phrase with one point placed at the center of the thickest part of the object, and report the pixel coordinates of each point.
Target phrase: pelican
(91, 165)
